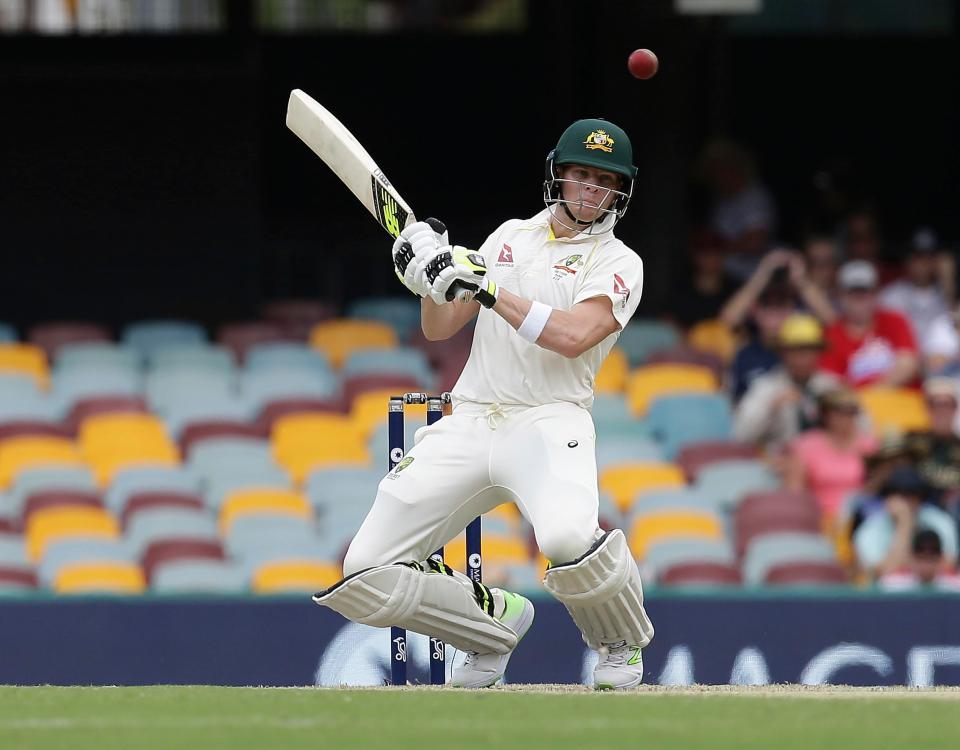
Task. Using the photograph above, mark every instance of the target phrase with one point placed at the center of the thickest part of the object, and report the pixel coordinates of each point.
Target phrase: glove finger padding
(410, 250)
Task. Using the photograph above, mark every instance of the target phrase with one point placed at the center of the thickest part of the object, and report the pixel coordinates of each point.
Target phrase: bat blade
(329, 139)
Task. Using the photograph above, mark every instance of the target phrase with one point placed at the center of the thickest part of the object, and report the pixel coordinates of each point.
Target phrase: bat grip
(436, 225)
(456, 288)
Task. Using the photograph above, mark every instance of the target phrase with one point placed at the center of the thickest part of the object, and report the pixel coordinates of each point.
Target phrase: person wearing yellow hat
(780, 404)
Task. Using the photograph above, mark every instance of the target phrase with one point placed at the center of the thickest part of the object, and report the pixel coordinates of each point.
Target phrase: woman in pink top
(828, 461)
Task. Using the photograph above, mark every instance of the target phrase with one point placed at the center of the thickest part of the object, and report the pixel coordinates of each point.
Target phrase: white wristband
(533, 325)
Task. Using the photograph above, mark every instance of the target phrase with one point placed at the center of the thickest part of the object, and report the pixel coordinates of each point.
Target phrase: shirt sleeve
(616, 275)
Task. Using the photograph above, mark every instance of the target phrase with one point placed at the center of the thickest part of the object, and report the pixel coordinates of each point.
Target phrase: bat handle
(456, 291)
(436, 225)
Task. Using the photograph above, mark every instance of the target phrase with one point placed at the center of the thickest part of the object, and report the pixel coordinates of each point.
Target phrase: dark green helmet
(593, 143)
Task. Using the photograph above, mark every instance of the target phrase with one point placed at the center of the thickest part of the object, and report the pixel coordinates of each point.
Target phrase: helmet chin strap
(574, 219)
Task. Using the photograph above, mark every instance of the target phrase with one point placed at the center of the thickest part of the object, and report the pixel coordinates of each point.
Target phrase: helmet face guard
(606, 218)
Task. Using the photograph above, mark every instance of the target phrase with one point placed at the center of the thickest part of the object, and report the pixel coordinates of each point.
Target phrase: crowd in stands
(793, 421)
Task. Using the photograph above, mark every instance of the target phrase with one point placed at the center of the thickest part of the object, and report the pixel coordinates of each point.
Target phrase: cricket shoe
(485, 670)
(620, 668)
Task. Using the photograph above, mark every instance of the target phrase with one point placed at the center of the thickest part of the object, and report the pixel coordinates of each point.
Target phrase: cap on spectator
(923, 242)
(857, 274)
(905, 480)
(800, 331)
(926, 543)
(939, 387)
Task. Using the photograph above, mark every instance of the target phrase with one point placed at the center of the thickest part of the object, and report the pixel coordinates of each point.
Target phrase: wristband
(488, 295)
(533, 325)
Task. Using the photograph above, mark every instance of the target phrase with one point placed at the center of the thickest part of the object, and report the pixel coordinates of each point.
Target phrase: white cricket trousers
(542, 458)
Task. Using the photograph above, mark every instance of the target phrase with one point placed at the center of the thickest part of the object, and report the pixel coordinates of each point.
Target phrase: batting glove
(411, 250)
(456, 272)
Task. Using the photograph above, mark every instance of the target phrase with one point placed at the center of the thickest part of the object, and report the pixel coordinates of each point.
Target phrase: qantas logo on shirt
(620, 287)
(506, 255)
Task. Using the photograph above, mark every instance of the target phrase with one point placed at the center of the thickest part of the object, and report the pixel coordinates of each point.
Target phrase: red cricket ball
(643, 64)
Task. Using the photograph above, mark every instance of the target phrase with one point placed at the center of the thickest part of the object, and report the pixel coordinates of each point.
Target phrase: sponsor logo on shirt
(875, 357)
(620, 287)
(506, 255)
(567, 266)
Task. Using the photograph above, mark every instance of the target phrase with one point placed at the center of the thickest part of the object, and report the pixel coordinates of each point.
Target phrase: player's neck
(560, 231)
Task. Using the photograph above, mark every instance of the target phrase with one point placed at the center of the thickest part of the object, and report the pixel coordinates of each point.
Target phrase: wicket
(398, 636)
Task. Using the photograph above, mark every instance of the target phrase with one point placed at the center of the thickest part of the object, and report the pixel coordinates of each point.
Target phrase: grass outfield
(529, 718)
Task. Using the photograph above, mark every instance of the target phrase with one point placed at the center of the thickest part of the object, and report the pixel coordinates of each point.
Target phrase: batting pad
(429, 603)
(603, 595)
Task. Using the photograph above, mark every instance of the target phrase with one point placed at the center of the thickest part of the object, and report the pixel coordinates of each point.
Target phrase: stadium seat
(167, 388)
(404, 362)
(305, 442)
(158, 524)
(894, 409)
(96, 355)
(72, 551)
(17, 580)
(217, 488)
(684, 355)
(664, 555)
(241, 337)
(661, 499)
(728, 482)
(264, 503)
(257, 538)
(341, 497)
(101, 578)
(148, 336)
(286, 355)
(132, 480)
(625, 449)
(370, 409)
(197, 433)
(88, 407)
(770, 550)
(199, 577)
(776, 511)
(497, 550)
(700, 574)
(188, 409)
(695, 456)
(259, 387)
(650, 382)
(52, 336)
(623, 482)
(673, 525)
(43, 499)
(111, 442)
(76, 384)
(295, 576)
(25, 359)
(13, 550)
(641, 338)
(273, 410)
(356, 385)
(677, 421)
(400, 313)
(167, 551)
(151, 499)
(21, 453)
(53, 524)
(339, 338)
(612, 376)
(455, 349)
(42, 478)
(378, 444)
(192, 357)
(33, 428)
(806, 574)
(221, 456)
(298, 316)
(715, 337)
(24, 405)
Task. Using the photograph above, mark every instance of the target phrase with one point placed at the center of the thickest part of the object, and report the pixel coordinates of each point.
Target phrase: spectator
(941, 345)
(936, 452)
(820, 256)
(767, 299)
(828, 461)
(706, 287)
(883, 542)
(868, 344)
(926, 292)
(861, 239)
(782, 403)
(927, 567)
(743, 213)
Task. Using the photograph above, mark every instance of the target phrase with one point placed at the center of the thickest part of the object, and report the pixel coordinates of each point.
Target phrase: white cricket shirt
(524, 257)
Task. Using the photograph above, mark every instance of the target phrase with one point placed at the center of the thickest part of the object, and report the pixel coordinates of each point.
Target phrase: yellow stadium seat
(307, 576)
(100, 577)
(651, 381)
(656, 527)
(25, 359)
(612, 377)
(369, 409)
(106, 465)
(102, 432)
(17, 454)
(278, 502)
(339, 338)
(894, 409)
(46, 526)
(303, 442)
(496, 550)
(715, 337)
(624, 481)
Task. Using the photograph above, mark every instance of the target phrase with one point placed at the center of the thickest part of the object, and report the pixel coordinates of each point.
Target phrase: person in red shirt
(868, 345)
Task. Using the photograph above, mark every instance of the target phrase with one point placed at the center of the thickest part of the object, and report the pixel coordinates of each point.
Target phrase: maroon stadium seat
(170, 550)
(775, 511)
(358, 384)
(7, 526)
(700, 574)
(139, 501)
(87, 407)
(239, 337)
(273, 410)
(694, 457)
(20, 428)
(196, 432)
(806, 574)
(44, 499)
(440, 353)
(686, 355)
(298, 316)
(51, 336)
(21, 577)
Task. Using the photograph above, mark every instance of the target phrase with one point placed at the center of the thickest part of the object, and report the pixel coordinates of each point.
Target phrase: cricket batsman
(552, 293)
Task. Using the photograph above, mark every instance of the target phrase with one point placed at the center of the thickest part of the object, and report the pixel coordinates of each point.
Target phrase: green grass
(184, 718)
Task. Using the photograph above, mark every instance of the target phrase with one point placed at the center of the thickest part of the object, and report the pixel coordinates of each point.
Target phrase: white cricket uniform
(520, 430)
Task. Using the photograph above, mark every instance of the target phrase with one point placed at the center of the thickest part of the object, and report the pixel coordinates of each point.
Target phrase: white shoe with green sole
(485, 670)
(620, 668)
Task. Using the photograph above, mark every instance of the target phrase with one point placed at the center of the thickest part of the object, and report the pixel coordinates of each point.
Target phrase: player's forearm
(564, 333)
(440, 322)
